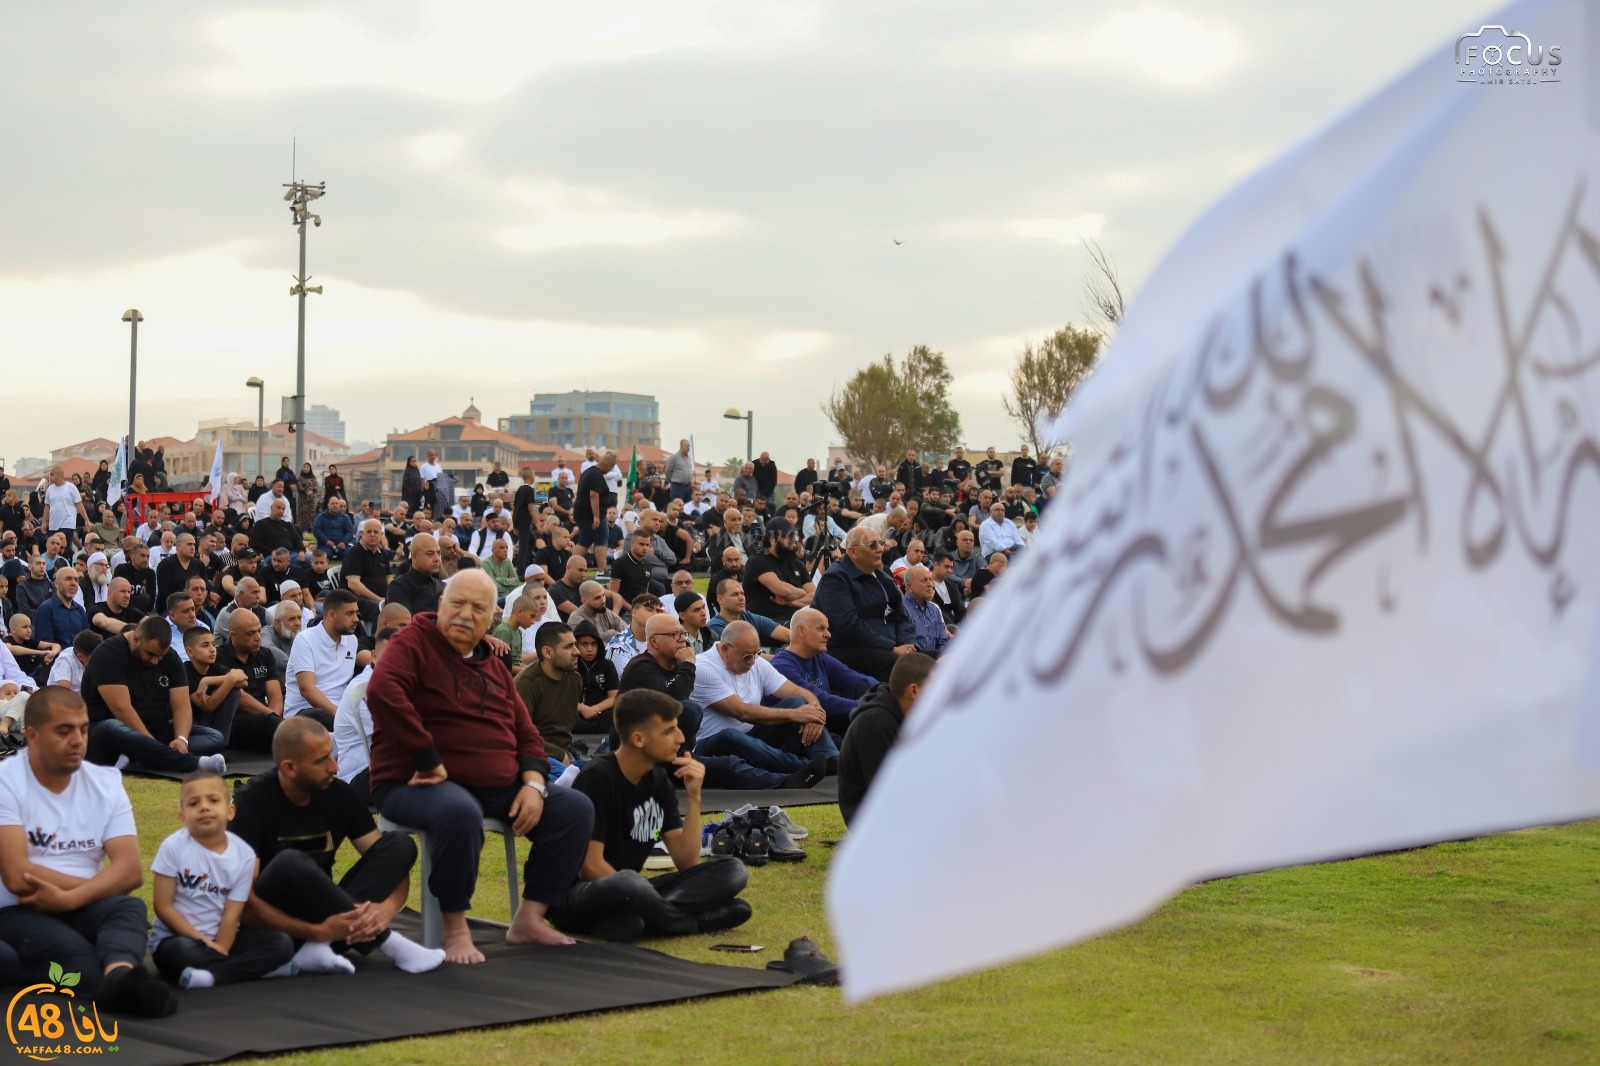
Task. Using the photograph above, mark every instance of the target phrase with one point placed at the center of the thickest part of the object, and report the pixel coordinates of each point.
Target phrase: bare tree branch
(1102, 290)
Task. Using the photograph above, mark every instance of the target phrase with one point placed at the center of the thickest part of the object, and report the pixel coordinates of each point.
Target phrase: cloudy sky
(693, 198)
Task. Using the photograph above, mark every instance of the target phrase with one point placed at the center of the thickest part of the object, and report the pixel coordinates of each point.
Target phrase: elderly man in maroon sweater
(453, 743)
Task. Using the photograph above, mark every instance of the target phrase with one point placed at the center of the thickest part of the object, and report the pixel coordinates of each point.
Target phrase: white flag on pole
(216, 470)
(119, 473)
(1322, 579)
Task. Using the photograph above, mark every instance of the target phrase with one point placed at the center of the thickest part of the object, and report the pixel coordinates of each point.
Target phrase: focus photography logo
(1493, 55)
(44, 1021)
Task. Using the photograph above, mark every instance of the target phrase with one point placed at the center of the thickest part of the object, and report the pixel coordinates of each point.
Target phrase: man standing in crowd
(864, 609)
(874, 728)
(442, 770)
(909, 474)
(988, 471)
(957, 469)
(323, 661)
(765, 471)
(63, 507)
(680, 473)
(69, 861)
(1024, 469)
(137, 693)
(589, 510)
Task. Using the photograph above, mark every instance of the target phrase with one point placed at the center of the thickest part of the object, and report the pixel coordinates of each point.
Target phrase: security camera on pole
(300, 195)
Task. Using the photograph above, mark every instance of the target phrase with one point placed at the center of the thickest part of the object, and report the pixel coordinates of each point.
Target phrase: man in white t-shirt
(270, 497)
(430, 469)
(352, 731)
(63, 506)
(746, 698)
(323, 661)
(69, 854)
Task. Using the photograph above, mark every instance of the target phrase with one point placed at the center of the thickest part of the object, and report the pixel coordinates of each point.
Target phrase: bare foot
(529, 927)
(458, 948)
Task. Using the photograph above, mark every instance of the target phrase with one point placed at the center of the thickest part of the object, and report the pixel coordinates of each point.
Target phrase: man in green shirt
(509, 629)
(551, 688)
(499, 566)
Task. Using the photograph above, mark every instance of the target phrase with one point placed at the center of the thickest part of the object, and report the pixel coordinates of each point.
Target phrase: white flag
(216, 470)
(119, 473)
(1323, 578)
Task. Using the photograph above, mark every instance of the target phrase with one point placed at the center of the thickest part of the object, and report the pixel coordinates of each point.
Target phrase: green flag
(633, 472)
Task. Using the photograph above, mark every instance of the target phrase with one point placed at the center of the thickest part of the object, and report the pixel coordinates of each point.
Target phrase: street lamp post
(133, 318)
(300, 194)
(261, 418)
(749, 420)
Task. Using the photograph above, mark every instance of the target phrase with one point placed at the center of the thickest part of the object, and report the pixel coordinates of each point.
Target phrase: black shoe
(617, 928)
(810, 776)
(723, 842)
(832, 766)
(755, 847)
(728, 916)
(803, 957)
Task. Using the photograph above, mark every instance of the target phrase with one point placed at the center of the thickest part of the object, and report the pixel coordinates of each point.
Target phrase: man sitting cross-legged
(294, 817)
(452, 743)
(69, 856)
(635, 805)
(751, 707)
(138, 698)
(807, 663)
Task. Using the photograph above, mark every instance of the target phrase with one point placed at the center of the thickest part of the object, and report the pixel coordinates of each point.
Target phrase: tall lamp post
(133, 318)
(300, 194)
(749, 420)
(261, 417)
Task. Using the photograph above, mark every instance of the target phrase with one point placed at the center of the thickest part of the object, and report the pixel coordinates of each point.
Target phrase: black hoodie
(874, 727)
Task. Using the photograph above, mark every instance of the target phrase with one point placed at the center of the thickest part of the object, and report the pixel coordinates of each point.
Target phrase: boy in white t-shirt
(203, 875)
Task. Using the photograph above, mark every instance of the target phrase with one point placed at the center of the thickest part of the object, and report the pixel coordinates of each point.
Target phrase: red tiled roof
(469, 431)
(365, 457)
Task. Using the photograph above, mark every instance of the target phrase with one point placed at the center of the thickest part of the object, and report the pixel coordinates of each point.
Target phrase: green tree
(886, 408)
(1044, 379)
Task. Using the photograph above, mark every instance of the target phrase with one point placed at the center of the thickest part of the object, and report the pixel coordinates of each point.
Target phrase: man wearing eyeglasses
(866, 614)
(747, 701)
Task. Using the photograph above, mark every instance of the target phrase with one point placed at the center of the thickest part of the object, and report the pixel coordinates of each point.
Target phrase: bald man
(366, 569)
(452, 744)
(807, 663)
(419, 588)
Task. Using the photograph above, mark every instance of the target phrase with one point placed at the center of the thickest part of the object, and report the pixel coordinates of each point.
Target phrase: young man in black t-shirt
(629, 578)
(589, 510)
(295, 817)
(634, 806)
(138, 698)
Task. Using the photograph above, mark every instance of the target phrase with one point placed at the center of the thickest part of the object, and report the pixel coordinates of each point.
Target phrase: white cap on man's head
(533, 570)
(288, 586)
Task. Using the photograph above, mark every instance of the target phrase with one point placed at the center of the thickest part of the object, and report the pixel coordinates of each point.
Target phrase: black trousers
(296, 885)
(874, 662)
(668, 904)
(84, 941)
(317, 714)
(255, 953)
(221, 719)
(254, 732)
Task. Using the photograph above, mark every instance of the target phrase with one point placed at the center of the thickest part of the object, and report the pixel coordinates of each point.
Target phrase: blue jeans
(680, 492)
(774, 748)
(785, 736)
(112, 738)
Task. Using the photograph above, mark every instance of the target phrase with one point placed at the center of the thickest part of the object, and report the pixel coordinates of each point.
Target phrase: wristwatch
(538, 785)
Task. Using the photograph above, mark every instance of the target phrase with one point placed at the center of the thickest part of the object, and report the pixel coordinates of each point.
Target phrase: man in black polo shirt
(138, 697)
(176, 569)
(419, 588)
(1024, 469)
(366, 570)
(957, 469)
(261, 699)
(629, 576)
(525, 517)
(988, 471)
(776, 583)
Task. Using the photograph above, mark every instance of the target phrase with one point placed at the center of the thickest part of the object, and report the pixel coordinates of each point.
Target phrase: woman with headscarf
(235, 497)
(411, 485)
(333, 485)
(102, 481)
(305, 506)
(258, 489)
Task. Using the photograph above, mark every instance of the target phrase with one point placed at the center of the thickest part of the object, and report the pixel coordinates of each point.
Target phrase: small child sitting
(203, 875)
(12, 701)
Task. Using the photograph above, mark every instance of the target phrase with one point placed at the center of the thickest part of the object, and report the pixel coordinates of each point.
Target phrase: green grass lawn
(1483, 951)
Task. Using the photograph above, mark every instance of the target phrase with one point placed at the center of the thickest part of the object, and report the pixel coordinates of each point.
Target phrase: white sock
(122, 761)
(214, 762)
(288, 969)
(317, 956)
(410, 956)
(193, 978)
